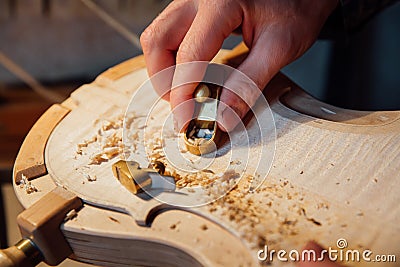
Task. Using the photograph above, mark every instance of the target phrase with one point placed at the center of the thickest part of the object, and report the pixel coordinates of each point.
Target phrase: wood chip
(27, 185)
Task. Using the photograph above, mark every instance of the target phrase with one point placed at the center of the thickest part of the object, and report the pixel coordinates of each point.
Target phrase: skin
(276, 31)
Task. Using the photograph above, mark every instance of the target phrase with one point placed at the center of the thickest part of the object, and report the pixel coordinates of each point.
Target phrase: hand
(276, 31)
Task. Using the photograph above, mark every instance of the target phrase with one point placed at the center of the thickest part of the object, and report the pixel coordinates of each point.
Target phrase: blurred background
(48, 48)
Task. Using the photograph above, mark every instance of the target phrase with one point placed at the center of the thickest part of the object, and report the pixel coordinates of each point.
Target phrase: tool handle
(23, 254)
(11, 257)
(40, 227)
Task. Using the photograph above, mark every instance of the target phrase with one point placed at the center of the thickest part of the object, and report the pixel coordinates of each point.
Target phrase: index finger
(161, 39)
(201, 43)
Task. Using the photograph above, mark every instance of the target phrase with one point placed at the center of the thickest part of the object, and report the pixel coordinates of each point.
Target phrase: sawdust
(275, 214)
(90, 178)
(27, 185)
(155, 147)
(107, 143)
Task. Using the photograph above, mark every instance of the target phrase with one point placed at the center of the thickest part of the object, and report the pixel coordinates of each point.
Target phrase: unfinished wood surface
(301, 102)
(30, 159)
(329, 179)
(109, 238)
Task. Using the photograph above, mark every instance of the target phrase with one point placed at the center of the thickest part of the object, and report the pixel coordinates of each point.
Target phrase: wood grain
(331, 177)
(30, 160)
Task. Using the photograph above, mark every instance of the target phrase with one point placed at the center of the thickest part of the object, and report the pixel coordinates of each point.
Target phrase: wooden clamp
(40, 228)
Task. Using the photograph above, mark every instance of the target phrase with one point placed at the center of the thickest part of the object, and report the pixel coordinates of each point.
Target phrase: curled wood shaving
(107, 141)
(27, 185)
(272, 214)
(90, 178)
(72, 214)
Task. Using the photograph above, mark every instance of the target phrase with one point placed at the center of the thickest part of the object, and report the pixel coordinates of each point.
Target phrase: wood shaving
(235, 162)
(273, 214)
(90, 178)
(72, 214)
(214, 184)
(107, 142)
(27, 185)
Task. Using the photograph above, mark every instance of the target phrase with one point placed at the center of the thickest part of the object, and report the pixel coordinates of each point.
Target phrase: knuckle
(182, 54)
(187, 52)
(147, 38)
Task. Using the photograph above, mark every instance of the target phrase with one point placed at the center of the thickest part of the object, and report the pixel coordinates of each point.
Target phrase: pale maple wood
(30, 159)
(342, 170)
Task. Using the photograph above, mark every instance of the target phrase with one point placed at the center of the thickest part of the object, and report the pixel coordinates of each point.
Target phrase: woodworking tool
(137, 179)
(202, 133)
(40, 228)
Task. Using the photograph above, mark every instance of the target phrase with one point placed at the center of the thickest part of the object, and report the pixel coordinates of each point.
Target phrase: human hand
(276, 31)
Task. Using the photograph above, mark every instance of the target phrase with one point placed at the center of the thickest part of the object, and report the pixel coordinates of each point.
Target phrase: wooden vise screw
(40, 229)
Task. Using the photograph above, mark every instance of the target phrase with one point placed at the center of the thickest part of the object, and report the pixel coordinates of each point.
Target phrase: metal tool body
(137, 179)
(202, 134)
